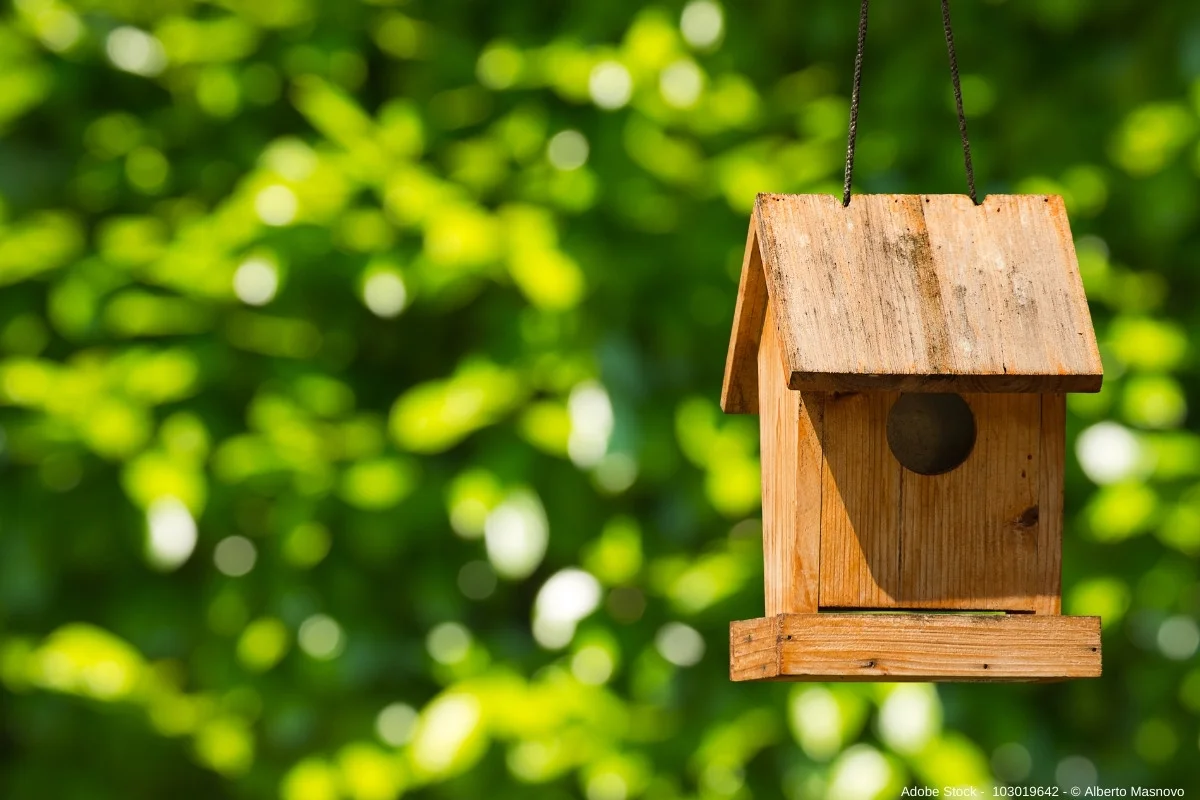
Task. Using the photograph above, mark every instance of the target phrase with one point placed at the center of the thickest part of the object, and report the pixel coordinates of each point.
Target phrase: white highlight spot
(321, 637)
(680, 644)
(681, 84)
(235, 556)
(291, 158)
(1178, 638)
(861, 773)
(395, 724)
(591, 423)
(816, 721)
(276, 205)
(568, 150)
(910, 717)
(256, 281)
(592, 665)
(385, 294)
(171, 533)
(133, 50)
(1108, 452)
(566, 598)
(702, 23)
(516, 535)
(445, 726)
(610, 85)
(448, 643)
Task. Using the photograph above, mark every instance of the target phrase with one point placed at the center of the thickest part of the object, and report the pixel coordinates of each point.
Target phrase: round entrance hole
(931, 433)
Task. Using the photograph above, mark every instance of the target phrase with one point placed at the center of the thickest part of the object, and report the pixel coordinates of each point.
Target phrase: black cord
(858, 59)
(857, 90)
(958, 101)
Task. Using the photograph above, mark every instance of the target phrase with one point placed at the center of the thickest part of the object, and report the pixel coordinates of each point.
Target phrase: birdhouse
(908, 357)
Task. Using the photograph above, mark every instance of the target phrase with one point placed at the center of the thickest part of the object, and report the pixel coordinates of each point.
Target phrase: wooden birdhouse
(908, 357)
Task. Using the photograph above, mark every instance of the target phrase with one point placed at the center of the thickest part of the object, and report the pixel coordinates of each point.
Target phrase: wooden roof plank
(915, 292)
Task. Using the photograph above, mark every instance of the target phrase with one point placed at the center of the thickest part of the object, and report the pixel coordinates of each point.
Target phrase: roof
(914, 293)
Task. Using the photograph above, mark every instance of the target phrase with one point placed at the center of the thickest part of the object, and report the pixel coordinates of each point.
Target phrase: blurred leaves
(358, 378)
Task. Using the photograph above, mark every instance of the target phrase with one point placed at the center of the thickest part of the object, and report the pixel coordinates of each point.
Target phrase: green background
(359, 367)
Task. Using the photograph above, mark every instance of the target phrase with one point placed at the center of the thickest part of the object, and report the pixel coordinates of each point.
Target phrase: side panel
(739, 391)
(791, 469)
(1047, 592)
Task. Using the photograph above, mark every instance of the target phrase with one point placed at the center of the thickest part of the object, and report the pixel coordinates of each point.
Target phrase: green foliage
(358, 379)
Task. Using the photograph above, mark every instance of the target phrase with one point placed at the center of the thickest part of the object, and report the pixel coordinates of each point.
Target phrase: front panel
(971, 538)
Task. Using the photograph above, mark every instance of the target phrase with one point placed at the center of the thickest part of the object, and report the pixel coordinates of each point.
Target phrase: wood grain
(754, 648)
(1047, 590)
(928, 292)
(967, 539)
(791, 457)
(915, 647)
(860, 503)
(739, 391)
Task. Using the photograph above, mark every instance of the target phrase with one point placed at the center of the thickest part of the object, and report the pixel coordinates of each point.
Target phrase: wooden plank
(739, 391)
(791, 467)
(964, 540)
(860, 503)
(927, 292)
(968, 538)
(916, 647)
(754, 649)
(1047, 589)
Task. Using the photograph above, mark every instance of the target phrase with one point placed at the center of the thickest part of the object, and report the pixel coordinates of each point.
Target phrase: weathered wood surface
(1047, 591)
(919, 292)
(789, 428)
(861, 500)
(754, 648)
(915, 647)
(739, 392)
(967, 539)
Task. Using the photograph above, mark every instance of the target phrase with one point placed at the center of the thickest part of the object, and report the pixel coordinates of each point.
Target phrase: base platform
(860, 646)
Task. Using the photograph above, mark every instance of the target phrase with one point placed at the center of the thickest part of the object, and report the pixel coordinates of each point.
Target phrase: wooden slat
(860, 503)
(1047, 590)
(739, 392)
(791, 466)
(754, 649)
(915, 647)
(969, 538)
(927, 292)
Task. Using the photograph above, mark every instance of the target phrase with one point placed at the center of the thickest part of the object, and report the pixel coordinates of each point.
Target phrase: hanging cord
(858, 59)
(962, 118)
(857, 90)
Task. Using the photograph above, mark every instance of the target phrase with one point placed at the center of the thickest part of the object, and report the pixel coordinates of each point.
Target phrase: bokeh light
(235, 556)
(321, 637)
(171, 533)
(359, 393)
